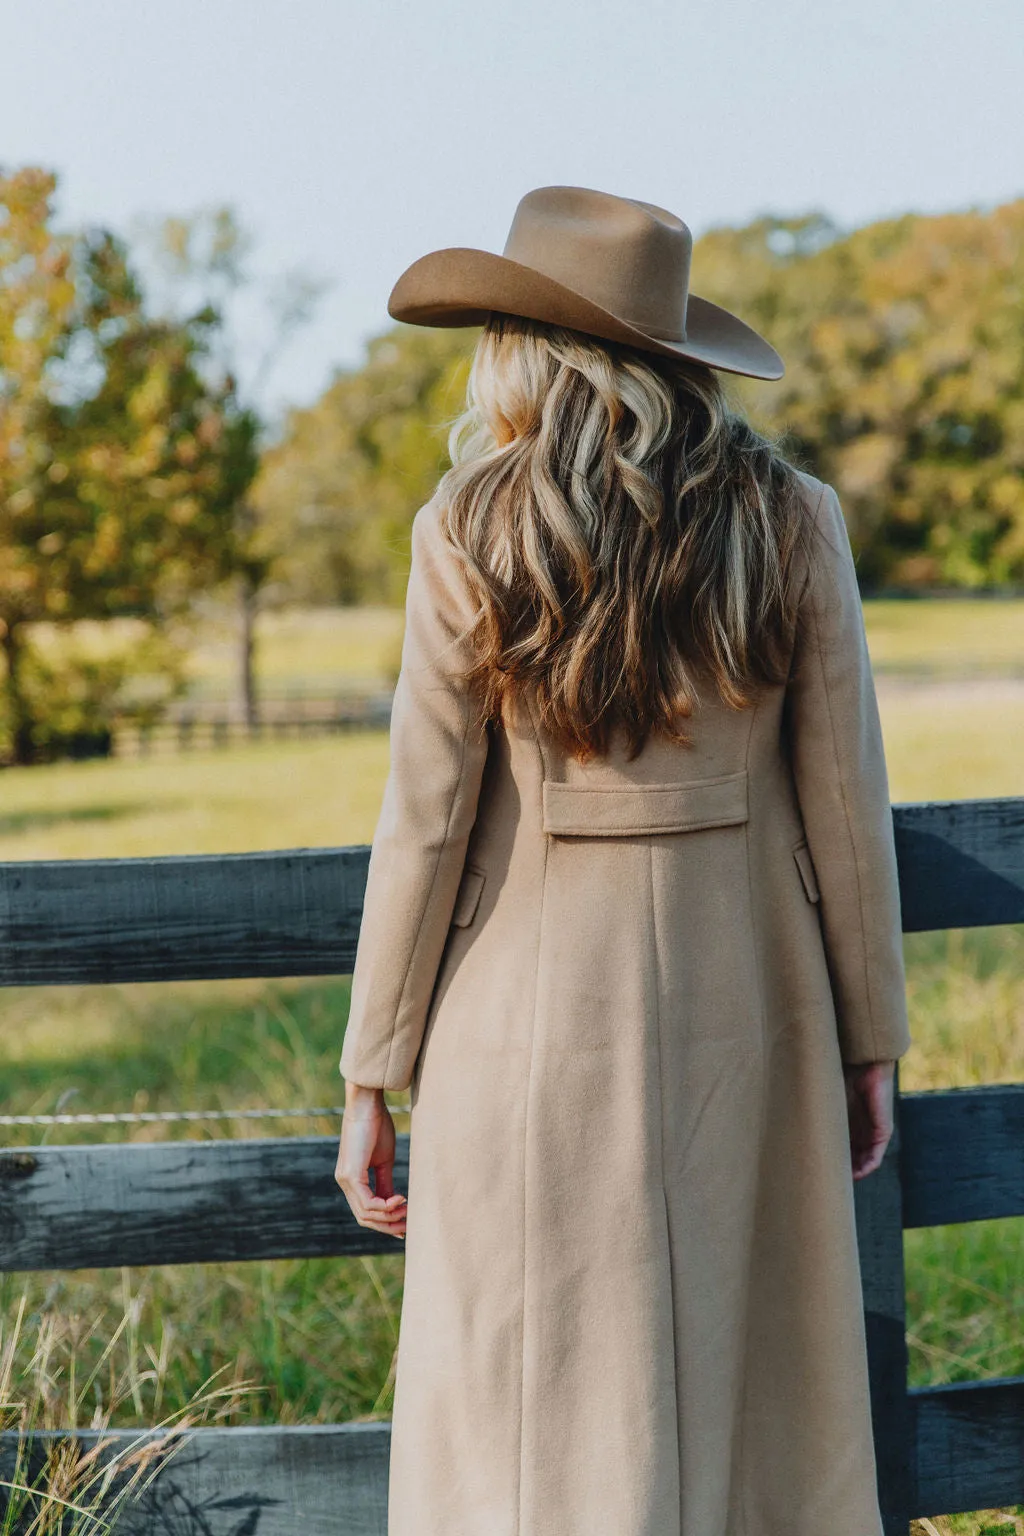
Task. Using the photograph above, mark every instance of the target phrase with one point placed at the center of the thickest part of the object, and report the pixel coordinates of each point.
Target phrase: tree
(121, 458)
(338, 490)
(203, 259)
(904, 384)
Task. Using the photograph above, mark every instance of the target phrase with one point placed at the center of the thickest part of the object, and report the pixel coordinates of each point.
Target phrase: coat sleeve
(842, 785)
(438, 751)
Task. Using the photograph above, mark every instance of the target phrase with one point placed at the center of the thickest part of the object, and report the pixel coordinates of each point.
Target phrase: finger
(385, 1180)
(868, 1160)
(379, 1203)
(881, 1103)
(386, 1231)
(357, 1184)
(872, 1144)
(364, 1203)
(391, 1216)
(878, 1139)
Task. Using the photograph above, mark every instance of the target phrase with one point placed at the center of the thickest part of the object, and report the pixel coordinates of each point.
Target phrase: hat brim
(463, 286)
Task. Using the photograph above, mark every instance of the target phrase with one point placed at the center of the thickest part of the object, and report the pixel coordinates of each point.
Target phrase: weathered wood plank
(322, 1480)
(963, 1155)
(292, 913)
(331, 1480)
(961, 862)
(179, 1202)
(970, 1446)
(960, 1154)
(296, 912)
(877, 1203)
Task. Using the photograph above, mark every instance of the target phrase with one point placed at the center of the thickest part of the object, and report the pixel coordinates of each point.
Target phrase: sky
(349, 139)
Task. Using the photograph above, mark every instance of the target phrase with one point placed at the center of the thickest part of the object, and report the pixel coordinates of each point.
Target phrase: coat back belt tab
(628, 810)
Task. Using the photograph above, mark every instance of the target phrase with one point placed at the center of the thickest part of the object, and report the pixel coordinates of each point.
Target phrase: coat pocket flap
(802, 854)
(468, 898)
(606, 810)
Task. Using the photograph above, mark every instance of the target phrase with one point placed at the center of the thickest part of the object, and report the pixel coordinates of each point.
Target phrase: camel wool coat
(621, 994)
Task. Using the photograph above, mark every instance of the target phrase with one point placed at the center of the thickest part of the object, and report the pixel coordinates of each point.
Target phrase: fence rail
(212, 723)
(956, 1156)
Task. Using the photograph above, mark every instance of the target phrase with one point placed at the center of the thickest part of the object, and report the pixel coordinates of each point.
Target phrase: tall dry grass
(59, 1376)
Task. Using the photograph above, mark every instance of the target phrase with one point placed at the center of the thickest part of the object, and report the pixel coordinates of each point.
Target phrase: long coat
(622, 994)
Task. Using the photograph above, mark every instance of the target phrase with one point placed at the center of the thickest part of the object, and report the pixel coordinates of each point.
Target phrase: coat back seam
(524, 1310)
(672, 1281)
(738, 1466)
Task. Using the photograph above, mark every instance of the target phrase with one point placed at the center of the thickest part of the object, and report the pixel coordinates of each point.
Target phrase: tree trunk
(248, 595)
(18, 713)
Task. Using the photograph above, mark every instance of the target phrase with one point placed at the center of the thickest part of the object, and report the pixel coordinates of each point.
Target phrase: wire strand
(164, 1117)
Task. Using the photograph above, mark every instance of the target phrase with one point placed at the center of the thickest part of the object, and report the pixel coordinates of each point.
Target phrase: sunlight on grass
(290, 642)
(945, 632)
(321, 645)
(942, 742)
(947, 741)
(312, 793)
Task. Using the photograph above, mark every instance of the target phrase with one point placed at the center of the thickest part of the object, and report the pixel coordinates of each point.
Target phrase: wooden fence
(956, 1156)
(212, 723)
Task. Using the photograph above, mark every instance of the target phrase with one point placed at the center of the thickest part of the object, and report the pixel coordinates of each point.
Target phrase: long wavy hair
(622, 530)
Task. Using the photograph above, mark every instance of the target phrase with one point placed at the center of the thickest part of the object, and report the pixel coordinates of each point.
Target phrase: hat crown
(630, 257)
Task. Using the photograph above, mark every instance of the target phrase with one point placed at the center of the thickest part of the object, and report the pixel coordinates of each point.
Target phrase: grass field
(943, 634)
(946, 740)
(357, 644)
(316, 1339)
(952, 635)
(946, 634)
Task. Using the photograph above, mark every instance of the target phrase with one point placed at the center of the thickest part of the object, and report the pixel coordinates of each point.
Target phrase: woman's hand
(869, 1103)
(368, 1141)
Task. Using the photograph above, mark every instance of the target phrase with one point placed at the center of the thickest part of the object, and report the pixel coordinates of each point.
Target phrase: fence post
(879, 1205)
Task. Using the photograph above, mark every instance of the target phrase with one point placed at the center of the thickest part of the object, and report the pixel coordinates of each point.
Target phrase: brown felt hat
(610, 266)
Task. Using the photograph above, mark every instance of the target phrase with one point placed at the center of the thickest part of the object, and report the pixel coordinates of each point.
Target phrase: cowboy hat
(613, 267)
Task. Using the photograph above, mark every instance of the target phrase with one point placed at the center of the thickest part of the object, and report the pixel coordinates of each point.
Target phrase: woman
(632, 929)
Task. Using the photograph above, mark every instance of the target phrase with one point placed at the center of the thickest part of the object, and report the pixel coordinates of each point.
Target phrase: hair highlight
(622, 531)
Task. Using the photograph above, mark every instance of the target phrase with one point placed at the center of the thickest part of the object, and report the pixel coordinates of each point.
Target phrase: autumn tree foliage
(122, 454)
(904, 384)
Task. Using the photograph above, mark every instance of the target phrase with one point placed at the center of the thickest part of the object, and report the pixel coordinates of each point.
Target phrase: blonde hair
(621, 529)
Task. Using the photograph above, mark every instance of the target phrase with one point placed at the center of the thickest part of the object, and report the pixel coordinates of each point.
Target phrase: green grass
(310, 793)
(942, 741)
(349, 645)
(965, 1284)
(318, 1337)
(948, 741)
(954, 633)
